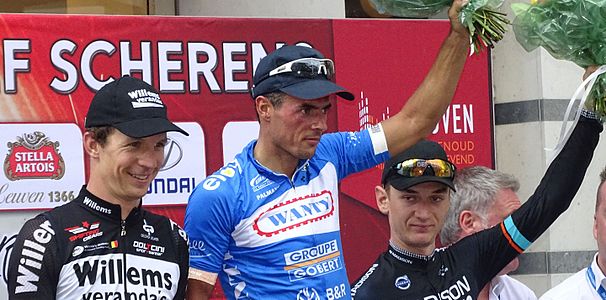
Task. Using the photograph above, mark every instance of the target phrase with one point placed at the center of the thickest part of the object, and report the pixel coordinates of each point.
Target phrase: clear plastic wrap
(485, 23)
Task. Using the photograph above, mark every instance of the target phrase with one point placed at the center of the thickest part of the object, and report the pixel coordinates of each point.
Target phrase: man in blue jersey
(267, 223)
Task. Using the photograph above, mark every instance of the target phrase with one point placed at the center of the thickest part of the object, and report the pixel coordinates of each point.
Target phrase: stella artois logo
(33, 156)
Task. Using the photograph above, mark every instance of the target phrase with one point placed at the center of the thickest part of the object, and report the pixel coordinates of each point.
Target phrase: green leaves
(573, 30)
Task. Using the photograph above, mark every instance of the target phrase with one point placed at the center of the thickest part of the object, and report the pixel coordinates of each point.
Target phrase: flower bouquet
(573, 30)
(486, 25)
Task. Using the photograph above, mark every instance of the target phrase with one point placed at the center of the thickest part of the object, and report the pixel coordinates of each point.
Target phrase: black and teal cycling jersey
(460, 271)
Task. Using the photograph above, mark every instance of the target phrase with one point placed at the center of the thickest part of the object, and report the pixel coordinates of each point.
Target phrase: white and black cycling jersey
(84, 250)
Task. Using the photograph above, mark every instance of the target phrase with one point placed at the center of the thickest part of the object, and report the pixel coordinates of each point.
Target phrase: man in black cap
(103, 244)
(415, 196)
(267, 223)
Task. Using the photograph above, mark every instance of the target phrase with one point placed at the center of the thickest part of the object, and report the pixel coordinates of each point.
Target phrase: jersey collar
(101, 207)
(600, 279)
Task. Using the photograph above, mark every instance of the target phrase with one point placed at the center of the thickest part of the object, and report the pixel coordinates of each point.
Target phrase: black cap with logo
(425, 149)
(132, 106)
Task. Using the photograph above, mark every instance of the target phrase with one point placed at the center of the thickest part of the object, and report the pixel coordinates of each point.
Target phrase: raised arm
(424, 108)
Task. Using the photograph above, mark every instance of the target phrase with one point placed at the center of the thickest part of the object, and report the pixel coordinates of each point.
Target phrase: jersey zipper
(124, 247)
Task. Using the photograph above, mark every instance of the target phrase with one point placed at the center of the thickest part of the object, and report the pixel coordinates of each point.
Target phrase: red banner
(53, 64)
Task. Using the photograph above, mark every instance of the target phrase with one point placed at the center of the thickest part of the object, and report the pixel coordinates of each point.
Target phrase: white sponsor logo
(313, 261)
(363, 279)
(403, 282)
(181, 232)
(183, 168)
(337, 292)
(308, 294)
(150, 230)
(266, 193)
(94, 205)
(294, 213)
(77, 251)
(148, 248)
(328, 265)
(31, 259)
(145, 98)
(45, 163)
(259, 182)
(213, 181)
(458, 290)
(173, 153)
(311, 253)
(85, 232)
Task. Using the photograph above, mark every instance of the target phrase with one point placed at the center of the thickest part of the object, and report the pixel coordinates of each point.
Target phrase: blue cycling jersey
(273, 237)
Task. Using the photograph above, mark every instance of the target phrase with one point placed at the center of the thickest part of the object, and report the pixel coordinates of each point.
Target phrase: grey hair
(476, 188)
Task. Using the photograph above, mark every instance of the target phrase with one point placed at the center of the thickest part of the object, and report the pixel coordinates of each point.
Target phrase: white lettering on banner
(167, 66)
(70, 83)
(34, 167)
(33, 156)
(458, 290)
(460, 116)
(129, 64)
(14, 65)
(31, 258)
(88, 55)
(23, 197)
(198, 59)
(232, 66)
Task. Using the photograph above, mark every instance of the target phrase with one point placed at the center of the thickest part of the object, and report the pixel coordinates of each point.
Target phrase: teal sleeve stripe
(515, 234)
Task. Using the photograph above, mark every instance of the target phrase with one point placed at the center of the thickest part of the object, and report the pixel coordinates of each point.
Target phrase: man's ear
(469, 223)
(91, 146)
(595, 227)
(264, 108)
(382, 199)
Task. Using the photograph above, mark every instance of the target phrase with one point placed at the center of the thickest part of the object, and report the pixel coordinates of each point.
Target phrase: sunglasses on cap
(424, 167)
(306, 68)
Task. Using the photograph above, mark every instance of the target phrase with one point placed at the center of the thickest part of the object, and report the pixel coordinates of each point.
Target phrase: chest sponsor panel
(301, 211)
(104, 277)
(313, 261)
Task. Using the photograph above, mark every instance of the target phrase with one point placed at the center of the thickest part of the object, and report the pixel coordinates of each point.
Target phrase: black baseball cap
(132, 106)
(424, 149)
(299, 87)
